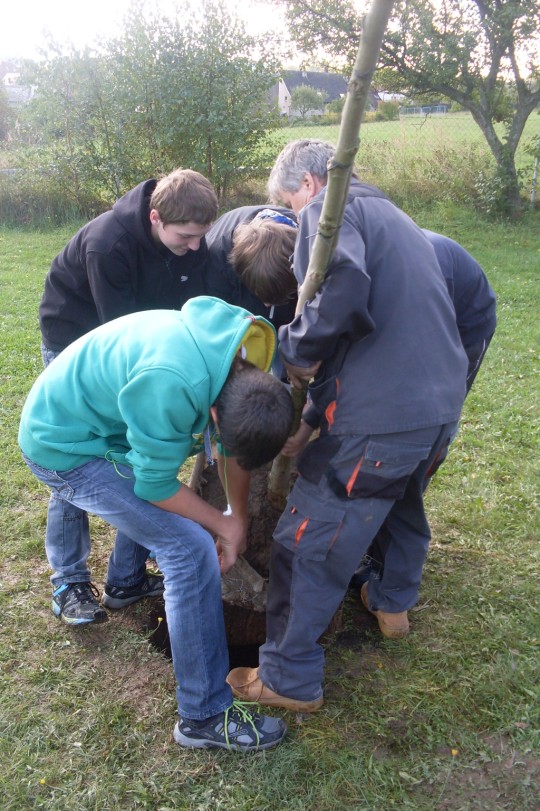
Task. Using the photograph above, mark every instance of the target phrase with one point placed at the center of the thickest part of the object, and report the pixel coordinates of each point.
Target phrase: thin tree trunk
(339, 175)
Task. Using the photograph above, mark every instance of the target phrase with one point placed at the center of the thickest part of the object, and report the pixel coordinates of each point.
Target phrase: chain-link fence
(422, 149)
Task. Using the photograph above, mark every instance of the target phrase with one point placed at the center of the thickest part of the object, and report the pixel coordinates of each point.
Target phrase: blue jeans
(186, 555)
(67, 539)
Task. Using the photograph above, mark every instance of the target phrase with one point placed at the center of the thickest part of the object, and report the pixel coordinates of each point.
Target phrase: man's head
(182, 209)
(254, 415)
(261, 257)
(300, 172)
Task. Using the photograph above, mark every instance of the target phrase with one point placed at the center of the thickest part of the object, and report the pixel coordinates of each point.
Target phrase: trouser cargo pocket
(378, 468)
(307, 527)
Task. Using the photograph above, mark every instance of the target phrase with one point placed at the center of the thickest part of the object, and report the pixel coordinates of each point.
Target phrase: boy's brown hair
(185, 196)
(261, 257)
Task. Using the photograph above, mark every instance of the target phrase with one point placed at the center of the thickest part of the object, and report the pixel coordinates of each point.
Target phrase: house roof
(331, 84)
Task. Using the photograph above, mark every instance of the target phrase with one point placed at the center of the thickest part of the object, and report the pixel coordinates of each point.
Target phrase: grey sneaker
(78, 604)
(120, 596)
(238, 729)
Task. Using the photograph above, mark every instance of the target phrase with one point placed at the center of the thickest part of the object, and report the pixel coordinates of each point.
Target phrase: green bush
(43, 198)
(492, 191)
(331, 118)
(446, 174)
(387, 111)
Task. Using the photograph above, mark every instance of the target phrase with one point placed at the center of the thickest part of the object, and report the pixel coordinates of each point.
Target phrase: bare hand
(231, 542)
(299, 375)
(296, 443)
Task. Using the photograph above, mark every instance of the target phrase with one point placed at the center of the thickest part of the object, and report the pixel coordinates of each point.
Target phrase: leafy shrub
(387, 111)
(446, 174)
(493, 191)
(42, 198)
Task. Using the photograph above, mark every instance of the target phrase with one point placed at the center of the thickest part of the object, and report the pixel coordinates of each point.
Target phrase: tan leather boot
(247, 686)
(393, 626)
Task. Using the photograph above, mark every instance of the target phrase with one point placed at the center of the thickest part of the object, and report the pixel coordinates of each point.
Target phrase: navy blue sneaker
(78, 604)
(238, 729)
(121, 596)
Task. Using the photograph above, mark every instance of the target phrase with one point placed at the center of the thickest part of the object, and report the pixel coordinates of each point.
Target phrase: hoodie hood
(222, 330)
(132, 210)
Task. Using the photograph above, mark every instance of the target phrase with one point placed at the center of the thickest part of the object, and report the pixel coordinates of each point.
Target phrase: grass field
(426, 160)
(447, 720)
(415, 134)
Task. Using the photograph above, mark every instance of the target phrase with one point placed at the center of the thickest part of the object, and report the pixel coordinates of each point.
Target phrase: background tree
(220, 113)
(387, 111)
(336, 105)
(165, 93)
(482, 54)
(305, 99)
(57, 127)
(6, 116)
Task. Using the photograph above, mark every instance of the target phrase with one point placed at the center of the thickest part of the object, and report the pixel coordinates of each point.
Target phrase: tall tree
(482, 54)
(304, 99)
(166, 92)
(57, 127)
(220, 111)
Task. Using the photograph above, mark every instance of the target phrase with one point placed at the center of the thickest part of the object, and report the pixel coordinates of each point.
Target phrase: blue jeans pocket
(52, 479)
(307, 528)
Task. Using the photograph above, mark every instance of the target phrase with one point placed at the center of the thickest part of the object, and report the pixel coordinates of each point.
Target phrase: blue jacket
(474, 301)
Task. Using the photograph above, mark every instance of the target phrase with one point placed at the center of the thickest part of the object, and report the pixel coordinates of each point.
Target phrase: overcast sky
(23, 23)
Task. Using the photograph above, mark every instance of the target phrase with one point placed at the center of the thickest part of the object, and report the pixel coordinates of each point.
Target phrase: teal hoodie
(138, 390)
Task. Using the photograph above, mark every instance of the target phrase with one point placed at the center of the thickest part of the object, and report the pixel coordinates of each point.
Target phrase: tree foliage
(484, 55)
(6, 115)
(305, 99)
(190, 91)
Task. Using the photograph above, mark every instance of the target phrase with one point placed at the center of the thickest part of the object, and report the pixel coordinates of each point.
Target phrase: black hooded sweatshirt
(113, 267)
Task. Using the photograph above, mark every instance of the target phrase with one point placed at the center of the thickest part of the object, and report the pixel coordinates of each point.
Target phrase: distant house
(17, 94)
(331, 86)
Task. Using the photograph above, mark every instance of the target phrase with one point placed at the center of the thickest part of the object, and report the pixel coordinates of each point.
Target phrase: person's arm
(111, 282)
(229, 530)
(301, 374)
(298, 441)
(160, 439)
(339, 310)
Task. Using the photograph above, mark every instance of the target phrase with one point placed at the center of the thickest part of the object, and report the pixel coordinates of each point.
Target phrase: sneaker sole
(76, 620)
(204, 743)
(116, 602)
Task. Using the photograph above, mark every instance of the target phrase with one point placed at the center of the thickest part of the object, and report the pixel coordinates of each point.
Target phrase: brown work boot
(247, 686)
(393, 626)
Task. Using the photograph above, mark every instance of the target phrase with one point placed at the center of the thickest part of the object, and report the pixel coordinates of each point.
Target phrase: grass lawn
(414, 134)
(446, 720)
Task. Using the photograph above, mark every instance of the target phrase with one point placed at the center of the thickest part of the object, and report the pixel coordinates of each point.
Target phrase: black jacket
(113, 267)
(222, 281)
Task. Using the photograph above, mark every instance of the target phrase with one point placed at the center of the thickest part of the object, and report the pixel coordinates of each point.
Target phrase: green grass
(414, 134)
(446, 720)
(419, 160)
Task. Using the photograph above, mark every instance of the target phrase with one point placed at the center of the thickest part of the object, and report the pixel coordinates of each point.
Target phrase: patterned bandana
(277, 216)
